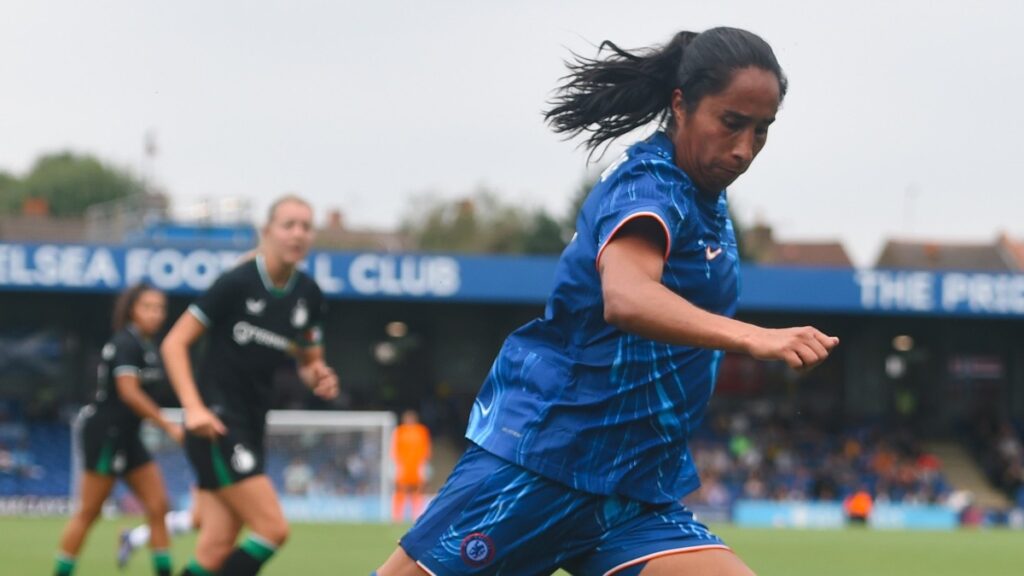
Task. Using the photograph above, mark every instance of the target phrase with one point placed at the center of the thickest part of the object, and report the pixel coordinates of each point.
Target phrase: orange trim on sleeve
(627, 219)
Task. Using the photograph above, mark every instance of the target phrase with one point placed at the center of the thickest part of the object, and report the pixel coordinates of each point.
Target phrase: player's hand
(176, 432)
(801, 348)
(201, 422)
(323, 381)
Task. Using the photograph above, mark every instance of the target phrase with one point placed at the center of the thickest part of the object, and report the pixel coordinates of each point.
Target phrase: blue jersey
(578, 400)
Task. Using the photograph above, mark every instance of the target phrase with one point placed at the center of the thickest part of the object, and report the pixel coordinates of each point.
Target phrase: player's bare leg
(178, 522)
(400, 564)
(147, 483)
(217, 534)
(93, 489)
(714, 562)
(254, 501)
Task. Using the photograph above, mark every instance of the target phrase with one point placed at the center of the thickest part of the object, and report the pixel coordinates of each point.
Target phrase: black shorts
(225, 460)
(108, 447)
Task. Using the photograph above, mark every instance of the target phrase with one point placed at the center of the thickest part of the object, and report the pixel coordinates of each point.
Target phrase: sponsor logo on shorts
(477, 549)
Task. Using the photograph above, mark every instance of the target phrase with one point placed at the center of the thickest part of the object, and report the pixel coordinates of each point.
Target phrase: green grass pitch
(28, 546)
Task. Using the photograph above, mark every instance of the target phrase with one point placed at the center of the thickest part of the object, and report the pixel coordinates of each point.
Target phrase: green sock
(258, 548)
(249, 557)
(65, 565)
(195, 569)
(161, 562)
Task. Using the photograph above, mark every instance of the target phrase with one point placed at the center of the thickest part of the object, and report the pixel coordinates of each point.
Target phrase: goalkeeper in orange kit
(410, 450)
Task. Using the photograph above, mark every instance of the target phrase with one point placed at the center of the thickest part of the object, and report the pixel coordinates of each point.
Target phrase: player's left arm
(313, 370)
(129, 388)
(316, 374)
(128, 364)
(636, 301)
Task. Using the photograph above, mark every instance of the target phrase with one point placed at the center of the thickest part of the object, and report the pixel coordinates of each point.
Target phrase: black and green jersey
(253, 328)
(108, 428)
(127, 353)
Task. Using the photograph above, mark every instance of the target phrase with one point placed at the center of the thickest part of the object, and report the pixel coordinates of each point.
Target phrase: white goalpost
(328, 466)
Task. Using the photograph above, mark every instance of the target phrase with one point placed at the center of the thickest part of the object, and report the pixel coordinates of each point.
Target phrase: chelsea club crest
(477, 549)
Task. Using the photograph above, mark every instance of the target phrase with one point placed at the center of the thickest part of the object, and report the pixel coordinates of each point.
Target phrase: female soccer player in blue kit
(578, 456)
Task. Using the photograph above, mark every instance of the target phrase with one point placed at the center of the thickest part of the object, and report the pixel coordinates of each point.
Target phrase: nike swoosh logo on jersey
(712, 254)
(255, 307)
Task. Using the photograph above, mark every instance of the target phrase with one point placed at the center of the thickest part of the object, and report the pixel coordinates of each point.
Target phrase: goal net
(331, 466)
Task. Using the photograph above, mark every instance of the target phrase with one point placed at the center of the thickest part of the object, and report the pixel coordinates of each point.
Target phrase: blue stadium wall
(506, 280)
(55, 302)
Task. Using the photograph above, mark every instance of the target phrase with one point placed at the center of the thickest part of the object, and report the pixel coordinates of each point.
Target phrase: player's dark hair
(628, 89)
(126, 303)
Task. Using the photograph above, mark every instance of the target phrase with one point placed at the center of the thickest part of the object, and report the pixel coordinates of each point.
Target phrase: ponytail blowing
(616, 95)
(610, 97)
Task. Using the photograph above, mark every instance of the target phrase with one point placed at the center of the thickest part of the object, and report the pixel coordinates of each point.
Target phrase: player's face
(717, 141)
(290, 232)
(150, 311)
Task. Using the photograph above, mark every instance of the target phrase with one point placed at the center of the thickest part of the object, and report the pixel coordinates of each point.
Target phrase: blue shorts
(493, 517)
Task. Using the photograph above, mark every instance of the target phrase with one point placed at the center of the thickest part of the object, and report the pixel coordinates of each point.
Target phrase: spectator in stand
(858, 506)
(25, 462)
(297, 477)
(322, 484)
(357, 472)
(7, 465)
(793, 458)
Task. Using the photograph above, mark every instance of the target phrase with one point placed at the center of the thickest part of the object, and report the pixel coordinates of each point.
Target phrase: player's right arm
(636, 301)
(128, 363)
(129, 388)
(199, 420)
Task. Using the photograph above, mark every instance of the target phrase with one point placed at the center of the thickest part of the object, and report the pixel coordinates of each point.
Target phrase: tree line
(69, 183)
(479, 223)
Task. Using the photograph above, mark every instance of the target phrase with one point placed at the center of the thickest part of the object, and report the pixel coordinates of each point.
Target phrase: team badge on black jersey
(126, 354)
(253, 330)
(300, 314)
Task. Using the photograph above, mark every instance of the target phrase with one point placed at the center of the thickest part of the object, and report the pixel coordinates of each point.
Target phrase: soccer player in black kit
(108, 428)
(258, 316)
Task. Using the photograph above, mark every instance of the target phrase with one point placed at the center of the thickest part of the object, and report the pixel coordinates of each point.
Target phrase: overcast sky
(903, 118)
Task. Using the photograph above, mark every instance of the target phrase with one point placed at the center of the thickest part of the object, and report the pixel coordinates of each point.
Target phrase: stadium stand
(768, 452)
(998, 444)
